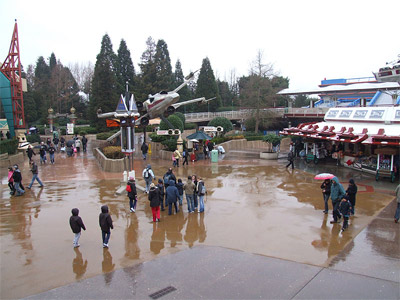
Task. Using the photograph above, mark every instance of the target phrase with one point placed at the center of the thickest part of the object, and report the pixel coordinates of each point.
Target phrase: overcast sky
(306, 41)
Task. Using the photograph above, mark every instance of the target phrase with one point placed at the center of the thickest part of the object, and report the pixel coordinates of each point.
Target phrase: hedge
(9, 146)
(113, 152)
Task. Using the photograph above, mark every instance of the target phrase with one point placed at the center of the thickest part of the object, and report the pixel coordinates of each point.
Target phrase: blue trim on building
(6, 101)
(373, 100)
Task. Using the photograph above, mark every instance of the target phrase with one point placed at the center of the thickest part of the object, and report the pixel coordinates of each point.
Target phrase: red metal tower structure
(11, 68)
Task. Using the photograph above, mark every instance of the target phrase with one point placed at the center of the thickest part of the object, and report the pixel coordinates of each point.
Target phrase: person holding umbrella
(326, 192)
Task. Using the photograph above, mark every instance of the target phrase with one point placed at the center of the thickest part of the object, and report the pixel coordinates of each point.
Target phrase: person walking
(290, 158)
(148, 176)
(52, 152)
(56, 140)
(201, 190)
(195, 198)
(84, 143)
(397, 213)
(11, 180)
(132, 194)
(35, 175)
(17, 177)
(337, 193)
(42, 153)
(144, 149)
(189, 188)
(76, 223)
(154, 199)
(177, 155)
(185, 155)
(161, 193)
(179, 186)
(30, 152)
(106, 224)
(351, 193)
(78, 144)
(345, 210)
(326, 192)
(172, 196)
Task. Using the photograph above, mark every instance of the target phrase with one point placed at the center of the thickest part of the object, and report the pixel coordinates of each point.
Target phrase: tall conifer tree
(125, 69)
(207, 87)
(164, 77)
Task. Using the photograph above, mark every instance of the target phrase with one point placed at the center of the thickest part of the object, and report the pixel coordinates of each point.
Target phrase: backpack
(203, 190)
(166, 178)
(146, 173)
(128, 188)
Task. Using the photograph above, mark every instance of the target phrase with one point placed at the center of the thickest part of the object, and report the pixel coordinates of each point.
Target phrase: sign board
(209, 129)
(162, 132)
(70, 128)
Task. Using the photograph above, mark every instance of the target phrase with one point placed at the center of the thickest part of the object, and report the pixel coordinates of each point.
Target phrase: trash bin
(214, 156)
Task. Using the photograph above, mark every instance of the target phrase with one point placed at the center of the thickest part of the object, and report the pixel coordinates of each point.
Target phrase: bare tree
(83, 74)
(261, 69)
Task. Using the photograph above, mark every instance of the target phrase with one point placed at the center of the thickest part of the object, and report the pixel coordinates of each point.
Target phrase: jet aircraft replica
(158, 105)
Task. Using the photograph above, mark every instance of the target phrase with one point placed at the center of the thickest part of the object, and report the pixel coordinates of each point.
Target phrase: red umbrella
(324, 176)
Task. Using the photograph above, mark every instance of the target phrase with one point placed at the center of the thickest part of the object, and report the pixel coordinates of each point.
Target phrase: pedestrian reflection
(78, 266)
(107, 266)
(195, 229)
(132, 249)
(157, 238)
(174, 228)
(202, 230)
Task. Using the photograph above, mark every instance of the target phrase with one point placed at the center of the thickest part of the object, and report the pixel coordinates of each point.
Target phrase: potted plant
(272, 141)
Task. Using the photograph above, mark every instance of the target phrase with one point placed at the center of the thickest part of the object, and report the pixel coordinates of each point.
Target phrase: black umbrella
(70, 143)
(199, 135)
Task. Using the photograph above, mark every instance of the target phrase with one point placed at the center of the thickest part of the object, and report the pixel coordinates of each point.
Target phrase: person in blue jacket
(172, 196)
(337, 194)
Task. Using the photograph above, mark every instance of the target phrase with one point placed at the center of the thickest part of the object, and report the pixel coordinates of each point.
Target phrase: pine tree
(148, 68)
(164, 77)
(184, 93)
(104, 85)
(207, 87)
(125, 70)
(42, 87)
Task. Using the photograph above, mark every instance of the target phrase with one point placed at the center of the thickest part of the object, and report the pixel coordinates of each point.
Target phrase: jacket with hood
(105, 220)
(132, 194)
(149, 172)
(352, 191)
(154, 196)
(345, 207)
(17, 175)
(337, 190)
(172, 194)
(76, 222)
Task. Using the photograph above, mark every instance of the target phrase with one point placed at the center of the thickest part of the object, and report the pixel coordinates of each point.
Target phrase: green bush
(33, 138)
(158, 138)
(113, 152)
(189, 126)
(221, 121)
(170, 144)
(254, 138)
(105, 135)
(219, 140)
(175, 121)
(9, 146)
(272, 138)
(180, 116)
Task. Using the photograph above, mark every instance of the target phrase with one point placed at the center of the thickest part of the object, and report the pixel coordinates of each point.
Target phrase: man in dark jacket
(84, 143)
(172, 196)
(161, 193)
(168, 177)
(35, 174)
(326, 192)
(76, 224)
(106, 224)
(290, 158)
(144, 149)
(18, 181)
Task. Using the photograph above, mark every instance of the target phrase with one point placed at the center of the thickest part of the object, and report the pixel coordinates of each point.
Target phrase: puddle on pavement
(254, 206)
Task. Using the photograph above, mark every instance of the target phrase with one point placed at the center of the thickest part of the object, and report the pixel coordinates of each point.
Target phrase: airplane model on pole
(160, 105)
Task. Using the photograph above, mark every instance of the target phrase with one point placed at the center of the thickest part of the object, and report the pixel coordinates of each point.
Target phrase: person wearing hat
(148, 176)
(154, 199)
(132, 194)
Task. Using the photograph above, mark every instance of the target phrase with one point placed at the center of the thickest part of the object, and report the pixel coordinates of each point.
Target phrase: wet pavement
(263, 235)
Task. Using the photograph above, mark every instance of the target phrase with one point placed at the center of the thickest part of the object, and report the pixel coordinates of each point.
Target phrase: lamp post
(50, 118)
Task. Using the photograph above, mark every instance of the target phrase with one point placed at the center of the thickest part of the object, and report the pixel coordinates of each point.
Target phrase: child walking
(179, 186)
(76, 224)
(106, 224)
(351, 193)
(345, 210)
(11, 180)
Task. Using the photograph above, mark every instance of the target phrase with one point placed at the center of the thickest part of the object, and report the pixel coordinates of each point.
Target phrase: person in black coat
(154, 198)
(290, 158)
(351, 193)
(345, 210)
(161, 193)
(132, 193)
(326, 192)
(106, 224)
(30, 152)
(76, 223)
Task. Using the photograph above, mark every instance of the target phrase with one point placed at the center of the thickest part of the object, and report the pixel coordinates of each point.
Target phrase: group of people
(168, 192)
(343, 201)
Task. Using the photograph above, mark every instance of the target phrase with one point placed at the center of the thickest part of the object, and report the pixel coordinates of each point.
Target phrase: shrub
(180, 116)
(175, 121)
(33, 138)
(254, 138)
(105, 135)
(221, 121)
(158, 138)
(170, 144)
(190, 126)
(113, 152)
(272, 139)
(9, 146)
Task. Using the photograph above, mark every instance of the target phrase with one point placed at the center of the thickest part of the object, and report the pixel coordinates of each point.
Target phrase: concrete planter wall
(10, 160)
(110, 165)
(269, 155)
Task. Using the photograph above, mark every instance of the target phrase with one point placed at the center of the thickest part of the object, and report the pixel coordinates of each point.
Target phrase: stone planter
(269, 155)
